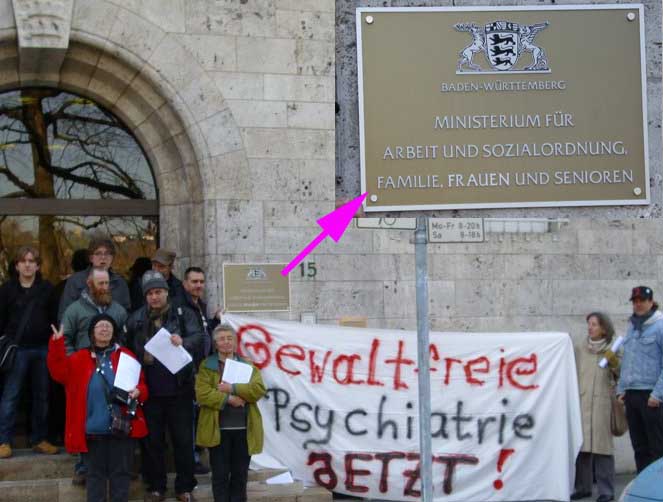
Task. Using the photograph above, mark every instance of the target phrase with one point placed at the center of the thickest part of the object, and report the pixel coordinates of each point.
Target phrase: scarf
(639, 320)
(597, 346)
(157, 318)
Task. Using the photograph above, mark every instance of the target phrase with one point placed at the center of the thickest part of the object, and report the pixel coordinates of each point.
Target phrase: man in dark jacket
(26, 313)
(171, 395)
(194, 290)
(101, 253)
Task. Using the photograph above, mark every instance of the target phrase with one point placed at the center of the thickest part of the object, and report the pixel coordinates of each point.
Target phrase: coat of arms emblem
(502, 42)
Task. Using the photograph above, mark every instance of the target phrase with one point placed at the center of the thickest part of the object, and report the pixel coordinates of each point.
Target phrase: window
(70, 169)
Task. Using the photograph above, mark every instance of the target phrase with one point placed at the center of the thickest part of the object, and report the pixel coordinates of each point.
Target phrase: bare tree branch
(29, 189)
(54, 117)
(14, 195)
(95, 130)
(98, 184)
(78, 223)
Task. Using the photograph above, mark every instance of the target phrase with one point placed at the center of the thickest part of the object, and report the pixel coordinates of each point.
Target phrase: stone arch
(166, 99)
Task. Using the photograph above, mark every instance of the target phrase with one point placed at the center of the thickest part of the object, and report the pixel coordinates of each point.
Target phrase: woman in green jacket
(229, 423)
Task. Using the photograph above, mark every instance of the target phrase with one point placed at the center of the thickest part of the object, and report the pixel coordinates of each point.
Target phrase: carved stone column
(43, 28)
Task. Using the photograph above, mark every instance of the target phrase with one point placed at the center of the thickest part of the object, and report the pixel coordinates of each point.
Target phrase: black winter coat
(179, 321)
(14, 300)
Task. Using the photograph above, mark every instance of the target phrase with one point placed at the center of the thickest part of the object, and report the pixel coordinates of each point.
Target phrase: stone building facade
(247, 112)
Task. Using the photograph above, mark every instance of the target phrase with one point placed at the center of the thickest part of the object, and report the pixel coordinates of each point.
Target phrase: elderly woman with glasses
(88, 376)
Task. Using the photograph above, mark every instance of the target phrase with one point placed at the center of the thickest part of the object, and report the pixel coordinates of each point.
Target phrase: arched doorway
(70, 169)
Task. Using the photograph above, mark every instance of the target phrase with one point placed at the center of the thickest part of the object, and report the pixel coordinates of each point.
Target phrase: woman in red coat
(88, 377)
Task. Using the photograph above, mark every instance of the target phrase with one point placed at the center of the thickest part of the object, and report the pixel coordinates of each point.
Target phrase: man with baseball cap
(640, 384)
(163, 262)
(171, 395)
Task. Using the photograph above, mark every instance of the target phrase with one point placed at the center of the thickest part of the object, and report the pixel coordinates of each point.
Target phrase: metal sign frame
(479, 205)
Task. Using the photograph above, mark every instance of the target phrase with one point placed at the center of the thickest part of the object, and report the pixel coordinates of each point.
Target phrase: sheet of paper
(280, 479)
(236, 372)
(172, 357)
(127, 373)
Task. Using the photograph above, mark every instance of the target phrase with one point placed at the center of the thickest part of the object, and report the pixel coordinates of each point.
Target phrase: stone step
(31, 477)
(61, 490)
(24, 464)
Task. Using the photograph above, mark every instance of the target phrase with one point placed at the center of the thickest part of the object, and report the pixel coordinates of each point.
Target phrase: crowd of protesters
(79, 330)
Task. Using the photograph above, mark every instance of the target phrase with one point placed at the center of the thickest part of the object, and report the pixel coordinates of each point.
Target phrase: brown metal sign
(502, 107)
(255, 287)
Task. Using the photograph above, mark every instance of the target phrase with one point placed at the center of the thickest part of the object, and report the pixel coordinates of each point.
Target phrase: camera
(122, 396)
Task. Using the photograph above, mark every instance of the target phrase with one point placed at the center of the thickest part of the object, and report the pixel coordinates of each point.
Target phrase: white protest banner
(341, 410)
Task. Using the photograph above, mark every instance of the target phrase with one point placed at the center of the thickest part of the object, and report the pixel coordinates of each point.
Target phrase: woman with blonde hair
(596, 392)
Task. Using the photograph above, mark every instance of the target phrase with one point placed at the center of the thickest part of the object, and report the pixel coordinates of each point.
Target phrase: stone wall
(273, 62)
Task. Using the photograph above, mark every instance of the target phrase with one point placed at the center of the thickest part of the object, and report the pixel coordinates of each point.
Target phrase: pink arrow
(333, 225)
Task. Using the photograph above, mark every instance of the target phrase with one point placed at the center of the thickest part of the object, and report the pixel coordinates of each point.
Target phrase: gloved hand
(613, 360)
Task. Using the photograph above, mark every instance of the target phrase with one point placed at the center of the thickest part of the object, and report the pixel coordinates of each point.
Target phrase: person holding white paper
(93, 413)
(230, 424)
(171, 395)
(596, 385)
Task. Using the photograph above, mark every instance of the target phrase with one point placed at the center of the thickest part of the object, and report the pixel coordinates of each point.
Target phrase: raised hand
(57, 333)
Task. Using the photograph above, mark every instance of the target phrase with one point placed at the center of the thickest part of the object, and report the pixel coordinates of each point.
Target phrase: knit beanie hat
(153, 279)
(95, 320)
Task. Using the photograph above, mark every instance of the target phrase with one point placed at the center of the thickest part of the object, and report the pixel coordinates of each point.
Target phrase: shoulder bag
(618, 423)
(120, 426)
